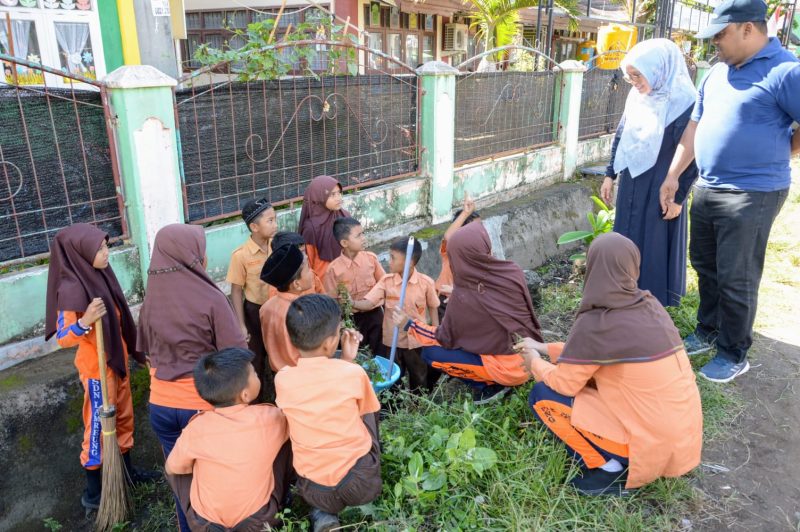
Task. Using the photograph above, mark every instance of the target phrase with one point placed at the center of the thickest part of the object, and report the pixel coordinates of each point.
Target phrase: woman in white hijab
(657, 111)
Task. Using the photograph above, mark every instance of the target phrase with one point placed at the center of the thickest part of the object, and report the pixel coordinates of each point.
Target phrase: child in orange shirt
(248, 292)
(286, 269)
(81, 289)
(283, 238)
(322, 204)
(444, 283)
(231, 466)
(421, 298)
(358, 271)
(332, 413)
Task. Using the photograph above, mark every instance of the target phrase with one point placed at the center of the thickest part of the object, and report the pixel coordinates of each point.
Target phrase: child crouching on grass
(332, 413)
(231, 466)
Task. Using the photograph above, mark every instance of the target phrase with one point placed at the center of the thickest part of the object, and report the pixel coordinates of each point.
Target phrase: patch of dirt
(760, 488)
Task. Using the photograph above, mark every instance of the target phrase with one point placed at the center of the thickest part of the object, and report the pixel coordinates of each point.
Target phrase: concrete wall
(541, 167)
(594, 149)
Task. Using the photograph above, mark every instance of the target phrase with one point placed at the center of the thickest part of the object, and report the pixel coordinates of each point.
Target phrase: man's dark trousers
(728, 242)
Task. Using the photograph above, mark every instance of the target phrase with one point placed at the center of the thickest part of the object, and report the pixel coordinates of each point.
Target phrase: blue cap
(733, 11)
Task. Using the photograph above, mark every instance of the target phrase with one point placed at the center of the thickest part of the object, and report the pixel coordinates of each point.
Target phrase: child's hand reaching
(529, 349)
(469, 206)
(350, 340)
(399, 318)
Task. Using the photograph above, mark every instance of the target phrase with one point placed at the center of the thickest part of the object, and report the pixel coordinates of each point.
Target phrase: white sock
(612, 466)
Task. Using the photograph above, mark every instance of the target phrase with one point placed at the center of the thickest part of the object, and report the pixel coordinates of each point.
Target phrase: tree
(497, 21)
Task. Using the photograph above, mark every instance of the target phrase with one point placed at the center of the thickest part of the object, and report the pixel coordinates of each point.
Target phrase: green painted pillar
(110, 33)
(567, 113)
(438, 135)
(702, 69)
(147, 146)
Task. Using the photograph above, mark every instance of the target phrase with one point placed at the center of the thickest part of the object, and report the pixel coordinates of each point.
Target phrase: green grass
(520, 483)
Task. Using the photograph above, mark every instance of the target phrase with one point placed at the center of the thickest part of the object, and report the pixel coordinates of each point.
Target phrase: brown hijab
(316, 220)
(184, 315)
(617, 322)
(490, 301)
(72, 283)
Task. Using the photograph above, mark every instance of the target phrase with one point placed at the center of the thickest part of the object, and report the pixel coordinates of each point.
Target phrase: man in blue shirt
(740, 135)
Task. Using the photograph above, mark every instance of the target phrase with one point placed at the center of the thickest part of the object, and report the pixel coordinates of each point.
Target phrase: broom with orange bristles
(115, 498)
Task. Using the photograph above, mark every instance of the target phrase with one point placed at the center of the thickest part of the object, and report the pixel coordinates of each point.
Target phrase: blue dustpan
(393, 377)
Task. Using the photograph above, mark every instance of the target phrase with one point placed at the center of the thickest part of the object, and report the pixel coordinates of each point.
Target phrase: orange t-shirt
(230, 452)
(317, 264)
(317, 289)
(323, 400)
(180, 393)
(446, 275)
(358, 275)
(70, 334)
(279, 348)
(420, 296)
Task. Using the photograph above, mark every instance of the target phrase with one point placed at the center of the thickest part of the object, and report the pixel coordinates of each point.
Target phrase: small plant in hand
(602, 222)
(346, 302)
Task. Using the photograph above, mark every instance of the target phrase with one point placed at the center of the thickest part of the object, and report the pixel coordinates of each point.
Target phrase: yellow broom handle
(101, 361)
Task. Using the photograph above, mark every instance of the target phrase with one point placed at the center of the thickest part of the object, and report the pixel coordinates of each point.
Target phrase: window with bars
(217, 28)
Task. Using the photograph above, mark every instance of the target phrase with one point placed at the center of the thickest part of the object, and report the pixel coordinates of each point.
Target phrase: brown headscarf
(617, 322)
(490, 301)
(72, 283)
(184, 315)
(316, 220)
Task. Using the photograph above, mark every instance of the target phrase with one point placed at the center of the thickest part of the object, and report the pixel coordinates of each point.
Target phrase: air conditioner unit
(455, 38)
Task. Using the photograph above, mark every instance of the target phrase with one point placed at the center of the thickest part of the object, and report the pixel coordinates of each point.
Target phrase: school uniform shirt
(446, 275)
(503, 369)
(653, 407)
(70, 334)
(316, 289)
(319, 265)
(280, 350)
(358, 275)
(231, 452)
(245, 270)
(323, 400)
(420, 295)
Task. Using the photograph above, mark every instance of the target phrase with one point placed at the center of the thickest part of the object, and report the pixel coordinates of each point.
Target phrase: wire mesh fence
(502, 112)
(602, 101)
(241, 140)
(57, 165)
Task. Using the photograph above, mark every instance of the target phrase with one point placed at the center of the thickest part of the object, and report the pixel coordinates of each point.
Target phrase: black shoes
(488, 394)
(598, 482)
(138, 476)
(323, 521)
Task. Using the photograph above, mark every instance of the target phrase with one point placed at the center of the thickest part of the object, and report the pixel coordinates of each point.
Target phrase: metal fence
(504, 111)
(57, 160)
(241, 140)
(602, 100)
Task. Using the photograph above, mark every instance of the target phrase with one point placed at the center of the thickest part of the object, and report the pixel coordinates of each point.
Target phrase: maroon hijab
(316, 221)
(184, 315)
(490, 301)
(617, 322)
(72, 283)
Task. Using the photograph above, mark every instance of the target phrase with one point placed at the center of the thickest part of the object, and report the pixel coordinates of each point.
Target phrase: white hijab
(646, 116)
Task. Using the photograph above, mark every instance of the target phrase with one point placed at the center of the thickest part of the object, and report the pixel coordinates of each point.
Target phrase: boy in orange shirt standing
(358, 270)
(231, 466)
(288, 270)
(421, 299)
(248, 293)
(283, 238)
(332, 413)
